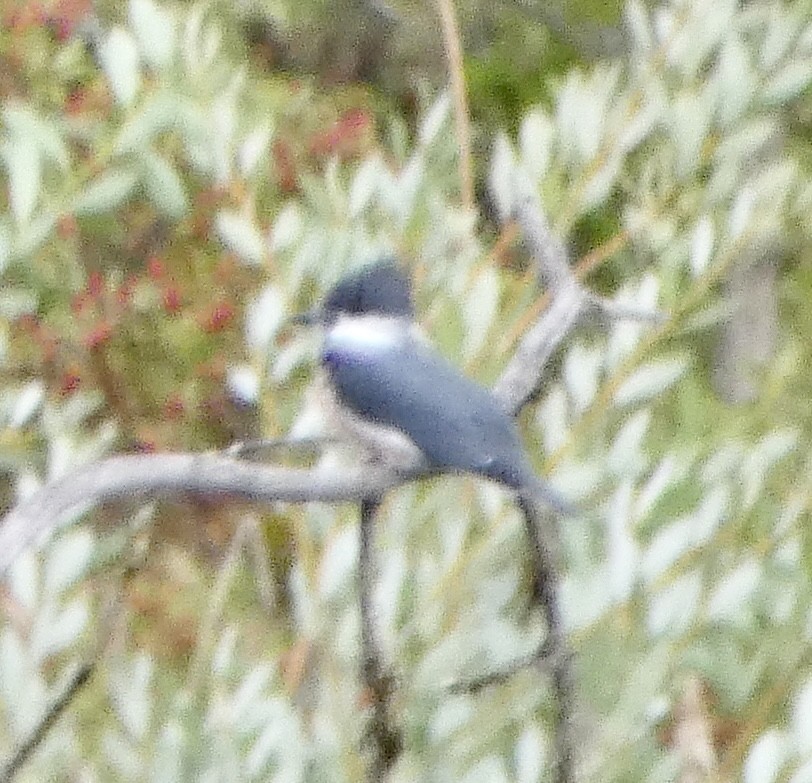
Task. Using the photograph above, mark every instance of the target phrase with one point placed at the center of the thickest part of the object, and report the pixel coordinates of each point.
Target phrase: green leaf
(120, 61)
(399, 193)
(790, 81)
(581, 112)
(129, 692)
(650, 380)
(67, 561)
(200, 42)
(287, 227)
(691, 115)
(479, 310)
(766, 756)
(732, 597)
(673, 608)
(637, 22)
(581, 372)
(27, 401)
(33, 235)
(106, 192)
(253, 149)
(741, 211)
(781, 33)
(159, 113)
(238, 233)
(61, 629)
(364, 185)
(535, 142)
(501, 176)
(23, 123)
(24, 169)
(530, 755)
(735, 81)
(597, 188)
(626, 454)
(5, 246)
(164, 186)
(435, 119)
(154, 28)
(701, 245)
(16, 301)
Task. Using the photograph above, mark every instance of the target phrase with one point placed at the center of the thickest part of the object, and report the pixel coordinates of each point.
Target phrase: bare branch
(547, 250)
(571, 302)
(520, 378)
(384, 738)
(451, 40)
(152, 475)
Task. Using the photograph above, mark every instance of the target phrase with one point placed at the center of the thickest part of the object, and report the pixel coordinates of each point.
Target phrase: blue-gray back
(457, 423)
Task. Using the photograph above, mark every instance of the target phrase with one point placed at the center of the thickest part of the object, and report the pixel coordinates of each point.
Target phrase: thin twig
(451, 39)
(546, 591)
(539, 657)
(243, 449)
(77, 681)
(548, 251)
(384, 738)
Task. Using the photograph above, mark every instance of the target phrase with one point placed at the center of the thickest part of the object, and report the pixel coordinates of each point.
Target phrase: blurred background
(178, 178)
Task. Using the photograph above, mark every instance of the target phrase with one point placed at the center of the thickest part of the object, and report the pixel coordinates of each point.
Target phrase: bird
(402, 402)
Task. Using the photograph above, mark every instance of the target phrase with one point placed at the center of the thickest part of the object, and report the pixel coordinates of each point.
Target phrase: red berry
(155, 267)
(174, 407)
(66, 226)
(95, 283)
(172, 300)
(98, 336)
(78, 302)
(125, 291)
(219, 318)
(70, 383)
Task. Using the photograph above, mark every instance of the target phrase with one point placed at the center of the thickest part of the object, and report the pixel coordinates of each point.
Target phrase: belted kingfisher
(400, 400)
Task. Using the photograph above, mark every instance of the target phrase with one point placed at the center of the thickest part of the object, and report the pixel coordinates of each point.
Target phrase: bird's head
(381, 289)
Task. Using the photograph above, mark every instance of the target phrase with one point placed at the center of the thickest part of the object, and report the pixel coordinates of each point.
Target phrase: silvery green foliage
(685, 136)
(200, 103)
(52, 619)
(698, 547)
(691, 555)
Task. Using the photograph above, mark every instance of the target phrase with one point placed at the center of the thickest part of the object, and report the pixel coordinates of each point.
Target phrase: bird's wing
(455, 422)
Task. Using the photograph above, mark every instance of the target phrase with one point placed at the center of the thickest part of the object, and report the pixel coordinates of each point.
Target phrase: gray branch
(523, 374)
(570, 302)
(155, 475)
